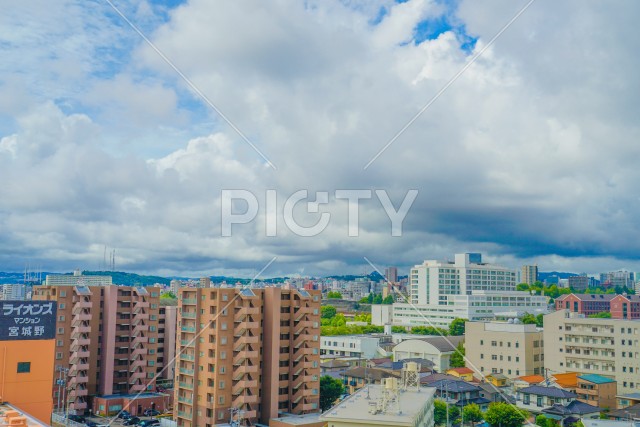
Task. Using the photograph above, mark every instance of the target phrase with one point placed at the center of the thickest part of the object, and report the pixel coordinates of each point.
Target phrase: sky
(109, 140)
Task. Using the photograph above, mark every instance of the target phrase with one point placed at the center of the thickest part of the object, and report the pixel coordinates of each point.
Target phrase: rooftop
(531, 379)
(357, 408)
(453, 386)
(461, 371)
(297, 420)
(573, 408)
(596, 379)
(608, 423)
(443, 344)
(375, 374)
(13, 413)
(567, 380)
(626, 413)
(548, 391)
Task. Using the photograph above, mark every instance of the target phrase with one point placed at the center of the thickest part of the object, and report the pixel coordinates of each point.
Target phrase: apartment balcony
(283, 398)
(188, 386)
(301, 312)
(189, 314)
(309, 407)
(141, 351)
(297, 382)
(184, 399)
(186, 371)
(244, 355)
(80, 317)
(245, 369)
(139, 306)
(189, 357)
(188, 343)
(241, 385)
(189, 301)
(301, 326)
(283, 383)
(301, 339)
(136, 388)
(185, 415)
(81, 392)
(303, 351)
(245, 398)
(82, 329)
(246, 339)
(81, 378)
(243, 326)
(141, 327)
(299, 394)
(78, 406)
(140, 317)
(137, 364)
(242, 312)
(308, 365)
(82, 304)
(79, 342)
(137, 376)
(191, 329)
(139, 340)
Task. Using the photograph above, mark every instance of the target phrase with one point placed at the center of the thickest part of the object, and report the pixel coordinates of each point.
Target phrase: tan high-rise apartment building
(529, 274)
(607, 347)
(252, 350)
(108, 339)
(511, 349)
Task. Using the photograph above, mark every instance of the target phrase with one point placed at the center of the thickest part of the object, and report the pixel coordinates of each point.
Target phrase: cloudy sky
(531, 155)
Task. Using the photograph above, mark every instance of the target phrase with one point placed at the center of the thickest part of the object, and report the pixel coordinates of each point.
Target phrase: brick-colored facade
(620, 306)
(256, 350)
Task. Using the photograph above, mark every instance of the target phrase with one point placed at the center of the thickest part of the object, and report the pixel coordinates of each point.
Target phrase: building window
(24, 367)
(58, 356)
(61, 306)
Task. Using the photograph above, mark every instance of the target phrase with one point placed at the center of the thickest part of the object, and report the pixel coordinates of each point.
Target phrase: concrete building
(360, 346)
(436, 349)
(597, 390)
(529, 274)
(618, 278)
(477, 306)
(257, 350)
(108, 337)
(77, 278)
(511, 349)
(578, 283)
(11, 415)
(608, 347)
(384, 405)
(620, 306)
(391, 274)
(435, 282)
(174, 285)
(27, 330)
(13, 292)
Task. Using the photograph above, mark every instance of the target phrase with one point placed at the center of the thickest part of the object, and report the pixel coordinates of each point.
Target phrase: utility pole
(446, 399)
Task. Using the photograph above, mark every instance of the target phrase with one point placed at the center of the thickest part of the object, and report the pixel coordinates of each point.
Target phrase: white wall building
(15, 292)
(479, 306)
(360, 346)
(435, 282)
(435, 349)
(77, 279)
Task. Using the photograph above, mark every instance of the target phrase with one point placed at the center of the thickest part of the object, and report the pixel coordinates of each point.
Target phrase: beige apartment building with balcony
(511, 349)
(607, 347)
(252, 350)
(108, 339)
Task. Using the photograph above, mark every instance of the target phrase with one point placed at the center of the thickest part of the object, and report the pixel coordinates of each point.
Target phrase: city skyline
(527, 156)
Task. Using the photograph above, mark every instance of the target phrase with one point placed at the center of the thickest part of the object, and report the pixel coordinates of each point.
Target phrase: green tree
(522, 287)
(388, 299)
(370, 298)
(540, 320)
(502, 414)
(364, 300)
(168, 295)
(440, 412)
(339, 320)
(377, 299)
(330, 391)
(327, 312)
(398, 330)
(457, 358)
(457, 326)
(472, 414)
(601, 315)
(334, 295)
(528, 319)
(428, 330)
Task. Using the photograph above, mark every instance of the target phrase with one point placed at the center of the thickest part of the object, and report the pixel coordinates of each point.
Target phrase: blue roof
(596, 379)
(539, 390)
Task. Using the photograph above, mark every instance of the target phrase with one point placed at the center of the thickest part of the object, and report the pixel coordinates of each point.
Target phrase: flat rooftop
(357, 408)
(296, 420)
(6, 408)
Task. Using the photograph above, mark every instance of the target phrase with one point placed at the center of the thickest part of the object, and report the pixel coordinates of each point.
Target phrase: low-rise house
(588, 422)
(493, 393)
(535, 398)
(460, 393)
(597, 390)
(335, 365)
(498, 380)
(431, 378)
(464, 374)
(567, 381)
(628, 399)
(572, 412)
(526, 381)
(630, 413)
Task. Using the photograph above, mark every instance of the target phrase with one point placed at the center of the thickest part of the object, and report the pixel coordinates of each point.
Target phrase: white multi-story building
(360, 346)
(479, 306)
(436, 282)
(77, 279)
(13, 292)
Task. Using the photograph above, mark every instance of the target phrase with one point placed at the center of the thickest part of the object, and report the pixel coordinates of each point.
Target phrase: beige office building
(252, 350)
(608, 347)
(529, 274)
(511, 349)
